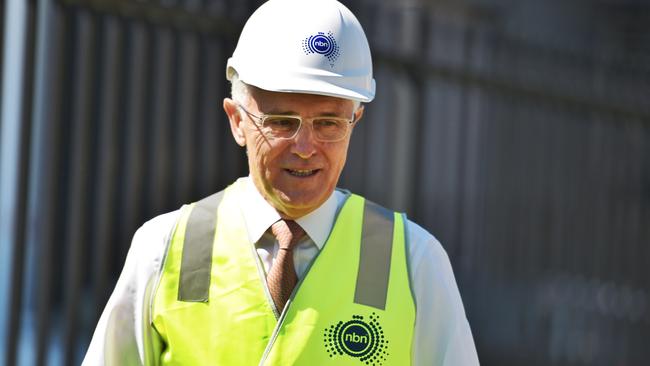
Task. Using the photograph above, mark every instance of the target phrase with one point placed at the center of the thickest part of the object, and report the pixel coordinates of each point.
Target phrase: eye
(329, 124)
(281, 122)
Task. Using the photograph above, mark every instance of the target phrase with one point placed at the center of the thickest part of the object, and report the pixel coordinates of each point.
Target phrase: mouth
(302, 172)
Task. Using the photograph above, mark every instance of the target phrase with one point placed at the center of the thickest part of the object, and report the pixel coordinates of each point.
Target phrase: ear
(235, 119)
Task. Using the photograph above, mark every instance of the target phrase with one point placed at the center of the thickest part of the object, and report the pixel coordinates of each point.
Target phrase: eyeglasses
(326, 129)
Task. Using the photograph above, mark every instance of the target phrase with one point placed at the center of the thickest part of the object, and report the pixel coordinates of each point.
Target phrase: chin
(300, 202)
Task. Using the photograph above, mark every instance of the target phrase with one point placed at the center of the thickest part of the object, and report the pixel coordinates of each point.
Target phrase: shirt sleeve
(442, 335)
(124, 335)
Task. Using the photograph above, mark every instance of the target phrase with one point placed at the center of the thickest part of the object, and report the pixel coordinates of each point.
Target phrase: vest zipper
(278, 325)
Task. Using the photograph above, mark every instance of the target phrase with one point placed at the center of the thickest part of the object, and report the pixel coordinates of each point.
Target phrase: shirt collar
(259, 215)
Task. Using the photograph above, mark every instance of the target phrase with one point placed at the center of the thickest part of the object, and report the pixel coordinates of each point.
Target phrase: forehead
(304, 104)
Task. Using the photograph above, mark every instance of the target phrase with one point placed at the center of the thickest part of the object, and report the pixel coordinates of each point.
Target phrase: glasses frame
(259, 122)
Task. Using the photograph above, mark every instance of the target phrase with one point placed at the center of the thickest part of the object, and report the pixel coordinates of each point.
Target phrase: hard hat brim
(304, 81)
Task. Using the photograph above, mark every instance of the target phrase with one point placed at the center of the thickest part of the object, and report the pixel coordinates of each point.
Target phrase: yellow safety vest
(354, 305)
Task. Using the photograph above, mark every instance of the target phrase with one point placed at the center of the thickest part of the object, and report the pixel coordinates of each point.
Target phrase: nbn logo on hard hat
(322, 44)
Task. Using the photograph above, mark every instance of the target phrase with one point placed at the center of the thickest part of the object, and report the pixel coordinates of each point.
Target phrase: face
(294, 175)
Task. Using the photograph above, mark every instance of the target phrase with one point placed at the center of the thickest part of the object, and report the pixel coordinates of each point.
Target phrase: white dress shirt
(442, 336)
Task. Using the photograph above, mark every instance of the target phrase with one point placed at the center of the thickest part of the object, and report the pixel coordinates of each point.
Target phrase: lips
(302, 172)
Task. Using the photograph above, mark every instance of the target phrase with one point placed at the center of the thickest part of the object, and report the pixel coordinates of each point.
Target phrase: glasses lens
(328, 129)
(281, 126)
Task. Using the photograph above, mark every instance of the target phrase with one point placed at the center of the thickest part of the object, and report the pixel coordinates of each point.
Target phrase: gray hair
(240, 92)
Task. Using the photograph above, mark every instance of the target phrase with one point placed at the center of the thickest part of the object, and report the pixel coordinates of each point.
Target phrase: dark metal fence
(531, 166)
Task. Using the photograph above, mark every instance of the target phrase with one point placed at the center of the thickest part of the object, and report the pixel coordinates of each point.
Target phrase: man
(281, 268)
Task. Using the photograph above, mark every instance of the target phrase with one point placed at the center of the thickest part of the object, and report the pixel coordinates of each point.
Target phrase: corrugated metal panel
(16, 129)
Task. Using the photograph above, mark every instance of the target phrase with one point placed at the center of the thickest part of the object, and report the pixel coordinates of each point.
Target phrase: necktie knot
(288, 233)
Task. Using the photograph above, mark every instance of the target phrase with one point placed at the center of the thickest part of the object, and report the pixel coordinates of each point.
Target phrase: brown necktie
(282, 277)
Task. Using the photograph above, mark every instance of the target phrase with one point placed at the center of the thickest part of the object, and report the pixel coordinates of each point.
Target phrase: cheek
(256, 146)
(261, 154)
(340, 153)
(337, 156)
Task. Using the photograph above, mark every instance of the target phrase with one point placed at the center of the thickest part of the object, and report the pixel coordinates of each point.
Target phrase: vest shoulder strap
(196, 263)
(375, 256)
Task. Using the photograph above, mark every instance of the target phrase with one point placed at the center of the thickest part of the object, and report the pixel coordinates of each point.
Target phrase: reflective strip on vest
(374, 264)
(194, 283)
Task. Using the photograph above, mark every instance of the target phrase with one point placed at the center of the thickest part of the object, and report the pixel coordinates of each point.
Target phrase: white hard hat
(304, 46)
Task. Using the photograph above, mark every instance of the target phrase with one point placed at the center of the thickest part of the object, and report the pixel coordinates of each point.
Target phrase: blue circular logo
(320, 44)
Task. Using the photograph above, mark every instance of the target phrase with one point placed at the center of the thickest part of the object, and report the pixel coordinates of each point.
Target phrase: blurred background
(516, 131)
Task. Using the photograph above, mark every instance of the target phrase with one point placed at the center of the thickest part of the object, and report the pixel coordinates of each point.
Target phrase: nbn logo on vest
(356, 337)
(364, 340)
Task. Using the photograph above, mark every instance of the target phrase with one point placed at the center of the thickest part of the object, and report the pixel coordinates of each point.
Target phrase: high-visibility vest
(353, 306)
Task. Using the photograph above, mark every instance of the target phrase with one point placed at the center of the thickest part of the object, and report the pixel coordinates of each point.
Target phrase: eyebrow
(294, 113)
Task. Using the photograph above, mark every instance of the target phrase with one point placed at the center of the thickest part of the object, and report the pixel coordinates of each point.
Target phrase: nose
(304, 144)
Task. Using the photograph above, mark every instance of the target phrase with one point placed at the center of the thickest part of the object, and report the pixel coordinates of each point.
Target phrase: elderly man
(282, 268)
